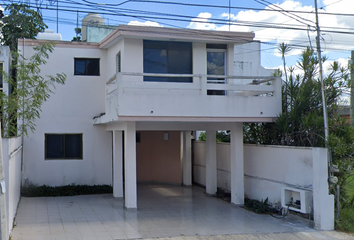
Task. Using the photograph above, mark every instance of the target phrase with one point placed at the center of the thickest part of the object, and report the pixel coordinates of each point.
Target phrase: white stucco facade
(107, 109)
(70, 110)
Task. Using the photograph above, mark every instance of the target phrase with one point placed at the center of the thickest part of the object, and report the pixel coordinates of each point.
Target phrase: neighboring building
(131, 101)
(5, 61)
(344, 112)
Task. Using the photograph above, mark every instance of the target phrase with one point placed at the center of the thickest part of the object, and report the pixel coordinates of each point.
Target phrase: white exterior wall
(12, 169)
(71, 110)
(111, 55)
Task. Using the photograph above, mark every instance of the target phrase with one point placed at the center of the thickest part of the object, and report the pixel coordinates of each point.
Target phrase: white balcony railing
(128, 95)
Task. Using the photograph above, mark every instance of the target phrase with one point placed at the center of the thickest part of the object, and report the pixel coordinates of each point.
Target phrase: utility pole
(57, 16)
(352, 90)
(318, 43)
(77, 22)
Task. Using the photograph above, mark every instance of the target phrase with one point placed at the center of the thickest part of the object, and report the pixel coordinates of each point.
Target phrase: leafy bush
(67, 190)
(260, 207)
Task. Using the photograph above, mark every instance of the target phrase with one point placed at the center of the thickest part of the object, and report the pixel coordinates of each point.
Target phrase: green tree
(301, 120)
(78, 35)
(32, 90)
(21, 22)
(221, 136)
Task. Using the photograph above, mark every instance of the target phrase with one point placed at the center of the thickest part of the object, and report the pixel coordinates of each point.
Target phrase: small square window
(63, 146)
(87, 66)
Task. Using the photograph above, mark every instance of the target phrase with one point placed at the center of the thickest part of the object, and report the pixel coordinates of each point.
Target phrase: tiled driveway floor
(163, 211)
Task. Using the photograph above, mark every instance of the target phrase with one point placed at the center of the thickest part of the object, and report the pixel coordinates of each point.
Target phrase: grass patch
(67, 190)
(349, 187)
(346, 222)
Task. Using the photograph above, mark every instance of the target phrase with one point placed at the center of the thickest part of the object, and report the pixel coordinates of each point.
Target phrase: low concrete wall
(12, 149)
(270, 169)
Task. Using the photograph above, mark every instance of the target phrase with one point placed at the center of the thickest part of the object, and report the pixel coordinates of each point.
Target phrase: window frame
(63, 158)
(86, 67)
(170, 47)
(220, 49)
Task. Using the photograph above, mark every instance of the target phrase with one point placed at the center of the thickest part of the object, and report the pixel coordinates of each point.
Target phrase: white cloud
(330, 40)
(147, 23)
(202, 22)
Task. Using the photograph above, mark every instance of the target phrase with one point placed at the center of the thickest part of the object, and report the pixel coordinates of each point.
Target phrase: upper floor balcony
(207, 98)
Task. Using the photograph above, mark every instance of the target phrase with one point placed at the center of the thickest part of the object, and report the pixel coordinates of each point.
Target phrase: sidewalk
(320, 235)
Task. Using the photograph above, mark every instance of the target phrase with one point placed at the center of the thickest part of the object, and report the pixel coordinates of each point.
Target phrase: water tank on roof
(49, 34)
(92, 19)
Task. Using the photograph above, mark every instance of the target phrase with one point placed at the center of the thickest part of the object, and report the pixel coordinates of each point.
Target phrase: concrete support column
(323, 202)
(187, 158)
(211, 165)
(237, 165)
(130, 166)
(117, 164)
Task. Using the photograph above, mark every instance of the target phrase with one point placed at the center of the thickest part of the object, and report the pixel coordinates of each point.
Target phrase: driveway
(163, 211)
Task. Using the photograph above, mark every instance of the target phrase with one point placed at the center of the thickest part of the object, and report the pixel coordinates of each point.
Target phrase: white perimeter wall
(12, 169)
(267, 169)
(71, 109)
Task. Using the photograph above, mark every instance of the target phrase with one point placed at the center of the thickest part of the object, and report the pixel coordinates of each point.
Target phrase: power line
(282, 11)
(183, 18)
(240, 8)
(216, 21)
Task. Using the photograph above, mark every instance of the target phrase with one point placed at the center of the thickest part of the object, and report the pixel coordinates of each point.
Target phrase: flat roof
(175, 34)
(153, 33)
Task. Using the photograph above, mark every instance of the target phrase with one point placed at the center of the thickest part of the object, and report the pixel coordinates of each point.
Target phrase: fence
(12, 148)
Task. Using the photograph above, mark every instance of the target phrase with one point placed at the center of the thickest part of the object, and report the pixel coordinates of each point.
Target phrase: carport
(164, 211)
(125, 156)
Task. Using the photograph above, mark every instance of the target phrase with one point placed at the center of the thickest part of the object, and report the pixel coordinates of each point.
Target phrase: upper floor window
(168, 57)
(87, 66)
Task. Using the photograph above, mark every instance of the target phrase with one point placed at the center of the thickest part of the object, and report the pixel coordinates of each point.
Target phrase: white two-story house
(131, 102)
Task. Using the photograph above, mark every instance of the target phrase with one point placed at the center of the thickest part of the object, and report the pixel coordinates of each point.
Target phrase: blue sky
(335, 45)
